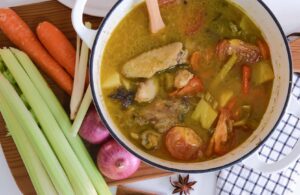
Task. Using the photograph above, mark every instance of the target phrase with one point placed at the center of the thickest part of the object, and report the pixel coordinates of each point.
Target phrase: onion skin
(115, 162)
(92, 130)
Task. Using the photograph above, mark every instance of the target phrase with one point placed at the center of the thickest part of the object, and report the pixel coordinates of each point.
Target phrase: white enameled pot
(263, 17)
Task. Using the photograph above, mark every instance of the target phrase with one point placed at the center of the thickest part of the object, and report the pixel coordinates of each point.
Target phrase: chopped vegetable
(112, 81)
(195, 60)
(264, 49)
(231, 104)
(134, 136)
(205, 114)
(36, 137)
(79, 78)
(150, 139)
(2, 67)
(183, 143)
(124, 96)
(57, 44)
(126, 83)
(182, 78)
(147, 90)
(218, 142)
(92, 130)
(27, 41)
(244, 116)
(225, 96)
(246, 76)
(156, 22)
(262, 72)
(194, 86)
(247, 25)
(37, 173)
(193, 23)
(224, 72)
(75, 172)
(115, 162)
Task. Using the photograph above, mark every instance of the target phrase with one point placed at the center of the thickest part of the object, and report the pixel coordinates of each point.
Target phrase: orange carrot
(264, 49)
(246, 79)
(195, 60)
(231, 104)
(21, 35)
(57, 45)
(194, 86)
(194, 22)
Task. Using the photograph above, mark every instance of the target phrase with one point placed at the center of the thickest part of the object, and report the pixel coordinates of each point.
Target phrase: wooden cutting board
(61, 16)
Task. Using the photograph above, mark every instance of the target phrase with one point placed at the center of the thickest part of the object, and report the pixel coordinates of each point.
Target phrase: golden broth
(220, 20)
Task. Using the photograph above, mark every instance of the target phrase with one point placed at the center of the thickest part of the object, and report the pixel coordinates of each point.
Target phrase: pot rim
(94, 94)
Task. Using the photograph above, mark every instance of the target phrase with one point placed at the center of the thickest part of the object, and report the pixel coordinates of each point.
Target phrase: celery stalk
(36, 137)
(74, 170)
(84, 106)
(38, 175)
(224, 71)
(63, 121)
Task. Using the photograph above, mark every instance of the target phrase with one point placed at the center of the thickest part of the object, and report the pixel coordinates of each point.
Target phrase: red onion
(92, 130)
(115, 162)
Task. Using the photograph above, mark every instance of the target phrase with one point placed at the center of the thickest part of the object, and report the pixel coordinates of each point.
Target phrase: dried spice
(183, 185)
(124, 96)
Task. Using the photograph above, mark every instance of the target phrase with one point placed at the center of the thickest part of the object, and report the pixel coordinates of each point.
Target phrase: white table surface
(288, 14)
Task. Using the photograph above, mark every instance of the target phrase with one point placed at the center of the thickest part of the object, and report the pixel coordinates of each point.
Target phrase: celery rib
(37, 173)
(78, 178)
(63, 121)
(36, 137)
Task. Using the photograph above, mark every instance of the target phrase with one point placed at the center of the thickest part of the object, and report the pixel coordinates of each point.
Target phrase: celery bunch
(76, 162)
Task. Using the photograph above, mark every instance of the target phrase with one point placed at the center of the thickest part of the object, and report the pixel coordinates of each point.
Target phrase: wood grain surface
(295, 48)
(60, 16)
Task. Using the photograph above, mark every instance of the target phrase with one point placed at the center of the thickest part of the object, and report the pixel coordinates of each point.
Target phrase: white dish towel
(241, 180)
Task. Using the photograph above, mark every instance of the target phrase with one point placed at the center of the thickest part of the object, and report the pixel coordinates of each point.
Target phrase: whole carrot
(21, 35)
(57, 45)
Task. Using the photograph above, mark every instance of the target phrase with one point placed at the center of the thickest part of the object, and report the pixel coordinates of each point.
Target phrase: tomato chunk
(183, 143)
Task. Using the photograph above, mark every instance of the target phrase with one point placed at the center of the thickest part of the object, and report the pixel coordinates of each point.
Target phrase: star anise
(183, 185)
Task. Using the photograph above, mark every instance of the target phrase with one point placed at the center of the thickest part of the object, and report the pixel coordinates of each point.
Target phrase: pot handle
(254, 161)
(87, 35)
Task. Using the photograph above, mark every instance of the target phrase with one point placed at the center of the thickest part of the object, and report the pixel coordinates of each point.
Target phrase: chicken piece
(146, 91)
(153, 61)
(247, 53)
(184, 144)
(218, 143)
(182, 78)
(162, 114)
